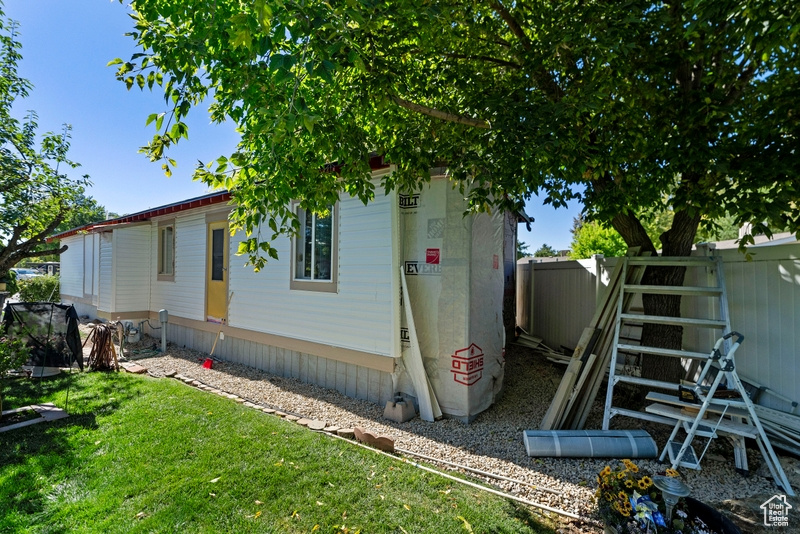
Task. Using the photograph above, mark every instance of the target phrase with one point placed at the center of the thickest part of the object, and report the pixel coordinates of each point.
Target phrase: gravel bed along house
(492, 442)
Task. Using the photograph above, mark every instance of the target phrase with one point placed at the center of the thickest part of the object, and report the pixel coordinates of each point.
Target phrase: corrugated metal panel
(132, 284)
(358, 317)
(105, 292)
(71, 275)
(185, 297)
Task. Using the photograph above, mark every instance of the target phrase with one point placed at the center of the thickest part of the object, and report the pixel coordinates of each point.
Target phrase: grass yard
(145, 455)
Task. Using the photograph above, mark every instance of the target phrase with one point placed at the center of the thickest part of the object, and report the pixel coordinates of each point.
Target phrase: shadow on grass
(34, 460)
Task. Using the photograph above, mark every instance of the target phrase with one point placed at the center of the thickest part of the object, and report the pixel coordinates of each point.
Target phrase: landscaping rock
(492, 442)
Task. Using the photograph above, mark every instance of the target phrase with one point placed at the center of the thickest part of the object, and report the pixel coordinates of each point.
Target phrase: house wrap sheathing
(349, 333)
(453, 266)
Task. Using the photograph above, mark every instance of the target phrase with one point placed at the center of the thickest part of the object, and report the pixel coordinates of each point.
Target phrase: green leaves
(623, 103)
(37, 194)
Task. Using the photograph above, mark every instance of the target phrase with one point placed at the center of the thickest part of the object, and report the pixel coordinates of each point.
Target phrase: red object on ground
(208, 363)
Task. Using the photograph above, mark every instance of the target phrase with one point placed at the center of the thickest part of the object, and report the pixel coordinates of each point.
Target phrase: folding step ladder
(743, 419)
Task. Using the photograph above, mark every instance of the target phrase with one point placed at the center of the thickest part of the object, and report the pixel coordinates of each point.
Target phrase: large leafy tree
(592, 238)
(545, 251)
(36, 193)
(624, 101)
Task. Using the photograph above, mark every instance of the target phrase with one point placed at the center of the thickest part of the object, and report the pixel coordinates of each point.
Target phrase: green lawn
(145, 455)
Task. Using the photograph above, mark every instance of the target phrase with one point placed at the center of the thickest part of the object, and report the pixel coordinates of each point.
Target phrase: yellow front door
(217, 272)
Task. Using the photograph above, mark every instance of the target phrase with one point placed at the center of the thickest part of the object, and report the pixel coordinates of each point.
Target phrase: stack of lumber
(591, 358)
(783, 428)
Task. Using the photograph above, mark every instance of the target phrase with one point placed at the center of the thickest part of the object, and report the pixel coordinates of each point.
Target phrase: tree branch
(439, 114)
(20, 255)
(512, 24)
(737, 88)
(488, 59)
(543, 79)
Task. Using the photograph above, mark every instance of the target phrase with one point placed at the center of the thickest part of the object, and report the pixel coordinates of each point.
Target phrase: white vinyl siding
(132, 269)
(185, 296)
(71, 275)
(358, 316)
(88, 264)
(105, 285)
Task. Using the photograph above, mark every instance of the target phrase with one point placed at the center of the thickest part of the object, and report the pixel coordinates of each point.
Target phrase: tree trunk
(677, 241)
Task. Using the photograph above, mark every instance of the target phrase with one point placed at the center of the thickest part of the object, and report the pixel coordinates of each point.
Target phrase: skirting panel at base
(352, 380)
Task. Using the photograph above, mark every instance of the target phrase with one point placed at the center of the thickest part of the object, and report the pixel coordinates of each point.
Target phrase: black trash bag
(50, 330)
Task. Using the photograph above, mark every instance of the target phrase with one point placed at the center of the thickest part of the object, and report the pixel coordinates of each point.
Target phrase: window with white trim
(314, 251)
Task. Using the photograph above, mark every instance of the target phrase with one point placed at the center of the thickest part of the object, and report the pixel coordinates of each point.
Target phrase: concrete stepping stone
(346, 433)
(317, 425)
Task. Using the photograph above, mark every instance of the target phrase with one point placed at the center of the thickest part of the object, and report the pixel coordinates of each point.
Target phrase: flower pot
(711, 517)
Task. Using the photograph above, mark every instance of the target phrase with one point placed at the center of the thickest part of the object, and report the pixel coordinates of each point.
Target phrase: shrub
(40, 289)
(13, 354)
(12, 286)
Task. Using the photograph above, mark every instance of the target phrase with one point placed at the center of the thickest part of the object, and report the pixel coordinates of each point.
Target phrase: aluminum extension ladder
(715, 289)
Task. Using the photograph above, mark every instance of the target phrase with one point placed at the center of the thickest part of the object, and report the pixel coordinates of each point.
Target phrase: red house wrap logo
(467, 365)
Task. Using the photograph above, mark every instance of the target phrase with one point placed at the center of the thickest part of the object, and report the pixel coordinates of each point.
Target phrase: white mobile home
(330, 311)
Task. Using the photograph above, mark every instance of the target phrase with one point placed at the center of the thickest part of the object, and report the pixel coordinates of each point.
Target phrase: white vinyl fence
(763, 302)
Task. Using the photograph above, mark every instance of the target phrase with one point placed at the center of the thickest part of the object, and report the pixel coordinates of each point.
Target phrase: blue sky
(66, 46)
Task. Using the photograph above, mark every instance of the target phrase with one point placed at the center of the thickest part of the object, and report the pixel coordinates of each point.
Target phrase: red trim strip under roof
(197, 202)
